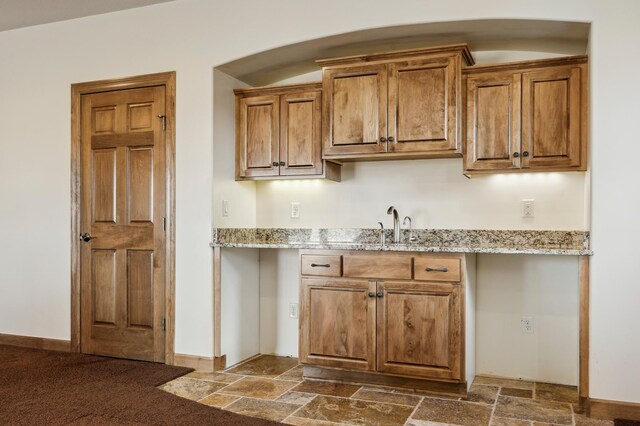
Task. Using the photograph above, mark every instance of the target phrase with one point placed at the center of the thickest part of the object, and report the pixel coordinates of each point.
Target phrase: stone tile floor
(272, 387)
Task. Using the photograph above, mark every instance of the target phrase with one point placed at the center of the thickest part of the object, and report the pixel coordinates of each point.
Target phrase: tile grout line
(495, 404)
(301, 407)
(414, 410)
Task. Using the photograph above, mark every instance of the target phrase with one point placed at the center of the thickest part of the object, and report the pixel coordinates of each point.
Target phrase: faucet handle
(382, 235)
(412, 239)
(404, 222)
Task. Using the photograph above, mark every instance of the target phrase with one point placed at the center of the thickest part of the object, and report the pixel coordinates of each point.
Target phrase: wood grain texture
(430, 268)
(200, 363)
(321, 265)
(258, 136)
(36, 342)
(135, 117)
(424, 103)
(492, 121)
(354, 103)
(583, 361)
(611, 410)
(419, 330)
(300, 133)
(337, 323)
(381, 266)
(168, 81)
(217, 302)
(399, 55)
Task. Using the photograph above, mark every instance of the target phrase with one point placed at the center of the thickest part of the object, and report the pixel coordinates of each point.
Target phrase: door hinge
(164, 324)
(164, 223)
(164, 121)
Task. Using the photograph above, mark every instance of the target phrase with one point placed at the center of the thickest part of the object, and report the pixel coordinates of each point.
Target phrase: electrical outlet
(293, 310)
(225, 208)
(527, 208)
(527, 325)
(295, 210)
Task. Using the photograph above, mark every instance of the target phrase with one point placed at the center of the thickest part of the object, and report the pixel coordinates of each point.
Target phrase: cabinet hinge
(164, 324)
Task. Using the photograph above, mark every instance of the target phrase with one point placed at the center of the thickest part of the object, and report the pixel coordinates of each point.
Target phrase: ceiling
(560, 37)
(25, 13)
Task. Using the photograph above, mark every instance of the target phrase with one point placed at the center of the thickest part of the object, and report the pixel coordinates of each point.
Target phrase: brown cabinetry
(278, 133)
(396, 105)
(527, 116)
(400, 316)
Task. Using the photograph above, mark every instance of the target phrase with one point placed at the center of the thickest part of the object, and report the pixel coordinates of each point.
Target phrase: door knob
(86, 237)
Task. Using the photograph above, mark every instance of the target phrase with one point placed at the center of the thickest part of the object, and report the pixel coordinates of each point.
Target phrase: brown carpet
(54, 388)
(623, 422)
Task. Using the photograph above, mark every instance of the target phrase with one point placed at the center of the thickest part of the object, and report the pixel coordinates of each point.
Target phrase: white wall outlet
(295, 210)
(225, 208)
(527, 208)
(527, 325)
(293, 310)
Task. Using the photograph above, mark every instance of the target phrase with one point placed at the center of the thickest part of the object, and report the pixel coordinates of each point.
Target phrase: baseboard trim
(36, 342)
(610, 410)
(201, 363)
(219, 362)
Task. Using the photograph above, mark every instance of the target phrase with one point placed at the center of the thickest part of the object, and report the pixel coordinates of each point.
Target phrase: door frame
(168, 80)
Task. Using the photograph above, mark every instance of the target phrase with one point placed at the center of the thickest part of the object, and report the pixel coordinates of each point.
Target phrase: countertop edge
(405, 248)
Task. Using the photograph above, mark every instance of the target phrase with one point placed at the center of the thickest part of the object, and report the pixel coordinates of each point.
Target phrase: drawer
(378, 266)
(321, 265)
(437, 269)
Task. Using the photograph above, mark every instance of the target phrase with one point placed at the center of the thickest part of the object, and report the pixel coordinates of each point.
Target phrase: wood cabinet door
(300, 139)
(337, 323)
(492, 121)
(354, 110)
(122, 257)
(553, 111)
(257, 133)
(424, 99)
(420, 330)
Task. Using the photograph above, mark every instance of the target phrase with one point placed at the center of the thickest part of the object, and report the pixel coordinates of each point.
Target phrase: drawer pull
(372, 294)
(437, 270)
(320, 265)
(381, 294)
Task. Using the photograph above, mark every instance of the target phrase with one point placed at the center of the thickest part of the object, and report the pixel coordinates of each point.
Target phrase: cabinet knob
(372, 294)
(516, 154)
(380, 294)
(275, 164)
(525, 154)
(282, 163)
(383, 139)
(391, 139)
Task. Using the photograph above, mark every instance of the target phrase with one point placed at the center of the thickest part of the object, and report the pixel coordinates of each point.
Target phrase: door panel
(551, 117)
(337, 323)
(355, 110)
(424, 98)
(122, 207)
(258, 133)
(493, 121)
(300, 140)
(419, 330)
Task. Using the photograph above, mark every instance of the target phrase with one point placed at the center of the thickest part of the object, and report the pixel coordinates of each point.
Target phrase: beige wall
(194, 36)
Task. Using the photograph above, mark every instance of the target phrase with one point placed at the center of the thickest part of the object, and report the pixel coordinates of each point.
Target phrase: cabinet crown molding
(399, 55)
(526, 65)
(283, 89)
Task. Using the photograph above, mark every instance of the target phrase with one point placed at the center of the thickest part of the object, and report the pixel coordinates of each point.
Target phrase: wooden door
(337, 323)
(123, 190)
(552, 113)
(424, 98)
(355, 110)
(300, 140)
(419, 330)
(258, 136)
(493, 121)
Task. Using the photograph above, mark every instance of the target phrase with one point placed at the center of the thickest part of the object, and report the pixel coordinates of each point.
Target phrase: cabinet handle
(372, 294)
(380, 295)
(275, 164)
(282, 163)
(525, 154)
(320, 265)
(391, 139)
(516, 154)
(437, 270)
(383, 139)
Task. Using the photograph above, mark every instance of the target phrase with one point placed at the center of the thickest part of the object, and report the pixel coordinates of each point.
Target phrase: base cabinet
(369, 320)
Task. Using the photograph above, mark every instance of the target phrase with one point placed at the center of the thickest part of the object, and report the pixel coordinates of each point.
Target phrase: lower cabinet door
(419, 330)
(337, 323)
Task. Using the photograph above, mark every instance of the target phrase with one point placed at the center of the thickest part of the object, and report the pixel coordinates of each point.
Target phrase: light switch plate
(295, 210)
(293, 310)
(225, 208)
(528, 208)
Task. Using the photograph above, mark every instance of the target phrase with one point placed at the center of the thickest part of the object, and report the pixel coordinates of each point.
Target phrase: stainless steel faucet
(412, 239)
(396, 224)
(383, 240)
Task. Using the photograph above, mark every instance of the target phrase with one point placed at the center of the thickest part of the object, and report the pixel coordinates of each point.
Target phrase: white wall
(192, 37)
(544, 288)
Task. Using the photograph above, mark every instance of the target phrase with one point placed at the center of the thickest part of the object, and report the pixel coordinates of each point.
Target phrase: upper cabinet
(278, 133)
(397, 105)
(527, 116)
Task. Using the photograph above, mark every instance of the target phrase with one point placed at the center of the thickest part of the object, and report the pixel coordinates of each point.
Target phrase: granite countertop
(572, 243)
